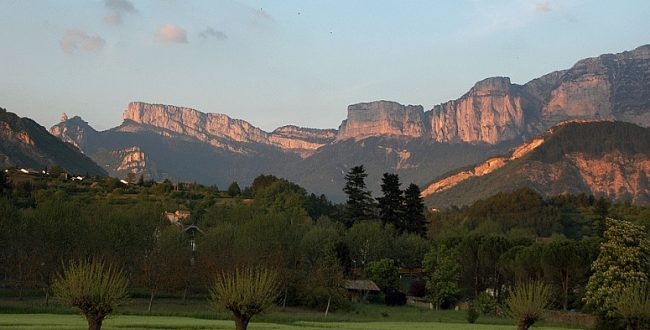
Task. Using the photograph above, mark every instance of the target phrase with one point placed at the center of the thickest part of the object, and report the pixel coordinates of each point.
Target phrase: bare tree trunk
(241, 322)
(150, 301)
(565, 284)
(185, 294)
(47, 296)
(284, 300)
(329, 300)
(94, 322)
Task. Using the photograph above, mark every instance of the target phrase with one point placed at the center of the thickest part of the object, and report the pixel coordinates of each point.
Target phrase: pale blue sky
(288, 62)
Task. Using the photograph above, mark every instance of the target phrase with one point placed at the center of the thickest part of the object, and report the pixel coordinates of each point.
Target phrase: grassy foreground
(73, 322)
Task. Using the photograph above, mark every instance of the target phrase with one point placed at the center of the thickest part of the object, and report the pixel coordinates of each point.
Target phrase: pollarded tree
(414, 219)
(390, 205)
(624, 258)
(360, 205)
(93, 287)
(245, 292)
(527, 302)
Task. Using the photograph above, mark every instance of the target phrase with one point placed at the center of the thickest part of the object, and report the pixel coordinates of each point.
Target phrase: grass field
(70, 322)
(172, 313)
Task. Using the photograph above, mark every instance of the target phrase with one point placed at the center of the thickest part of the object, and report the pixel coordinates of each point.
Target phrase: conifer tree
(413, 218)
(360, 205)
(390, 205)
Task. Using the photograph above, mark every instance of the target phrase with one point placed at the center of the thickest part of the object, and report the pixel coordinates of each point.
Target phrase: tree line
(476, 253)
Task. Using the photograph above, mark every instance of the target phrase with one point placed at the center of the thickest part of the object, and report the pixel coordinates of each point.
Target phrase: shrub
(472, 312)
(395, 298)
(633, 304)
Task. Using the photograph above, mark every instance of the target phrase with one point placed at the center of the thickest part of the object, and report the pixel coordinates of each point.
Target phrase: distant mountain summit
(164, 141)
(603, 158)
(25, 144)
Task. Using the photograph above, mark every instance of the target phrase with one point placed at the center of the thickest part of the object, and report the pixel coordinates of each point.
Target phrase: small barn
(360, 289)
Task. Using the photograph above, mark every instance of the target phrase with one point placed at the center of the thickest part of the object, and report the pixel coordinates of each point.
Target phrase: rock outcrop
(24, 143)
(608, 87)
(217, 128)
(383, 118)
(490, 112)
(570, 158)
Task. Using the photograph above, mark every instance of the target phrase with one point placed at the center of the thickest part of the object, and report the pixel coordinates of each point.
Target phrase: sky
(298, 62)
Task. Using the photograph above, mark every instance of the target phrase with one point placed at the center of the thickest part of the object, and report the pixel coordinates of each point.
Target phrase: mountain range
(26, 144)
(489, 121)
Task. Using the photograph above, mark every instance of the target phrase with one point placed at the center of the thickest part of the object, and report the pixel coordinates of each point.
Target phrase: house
(178, 215)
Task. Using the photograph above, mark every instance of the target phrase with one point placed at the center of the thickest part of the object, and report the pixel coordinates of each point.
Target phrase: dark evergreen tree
(233, 189)
(360, 204)
(413, 218)
(390, 205)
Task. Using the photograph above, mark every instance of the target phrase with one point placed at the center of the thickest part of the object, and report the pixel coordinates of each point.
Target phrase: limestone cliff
(383, 118)
(490, 112)
(220, 130)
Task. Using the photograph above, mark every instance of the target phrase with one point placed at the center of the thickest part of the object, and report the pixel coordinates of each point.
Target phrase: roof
(361, 285)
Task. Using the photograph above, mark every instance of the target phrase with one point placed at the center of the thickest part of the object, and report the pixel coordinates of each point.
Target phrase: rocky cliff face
(24, 143)
(383, 118)
(569, 158)
(610, 87)
(217, 128)
(490, 112)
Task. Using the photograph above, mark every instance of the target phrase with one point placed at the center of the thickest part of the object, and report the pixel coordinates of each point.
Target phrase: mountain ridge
(489, 119)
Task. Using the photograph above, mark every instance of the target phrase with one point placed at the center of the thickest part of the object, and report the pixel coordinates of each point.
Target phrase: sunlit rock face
(208, 126)
(382, 118)
(611, 86)
(490, 112)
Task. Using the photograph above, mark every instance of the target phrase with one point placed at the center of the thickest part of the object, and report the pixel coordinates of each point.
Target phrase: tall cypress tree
(390, 205)
(414, 220)
(360, 205)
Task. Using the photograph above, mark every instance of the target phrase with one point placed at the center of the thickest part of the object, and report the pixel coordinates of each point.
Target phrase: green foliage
(390, 204)
(527, 302)
(233, 189)
(443, 275)
(92, 286)
(487, 304)
(565, 263)
(414, 220)
(384, 273)
(245, 292)
(624, 258)
(359, 205)
(369, 241)
(633, 305)
(472, 312)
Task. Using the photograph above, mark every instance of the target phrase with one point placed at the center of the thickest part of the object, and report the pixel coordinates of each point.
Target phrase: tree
(261, 182)
(245, 292)
(390, 205)
(624, 258)
(233, 189)
(384, 273)
(443, 275)
(527, 303)
(633, 304)
(360, 204)
(565, 263)
(414, 219)
(93, 287)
